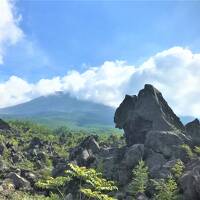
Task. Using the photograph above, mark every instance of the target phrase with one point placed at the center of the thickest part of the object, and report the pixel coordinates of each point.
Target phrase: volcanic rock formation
(193, 131)
(148, 111)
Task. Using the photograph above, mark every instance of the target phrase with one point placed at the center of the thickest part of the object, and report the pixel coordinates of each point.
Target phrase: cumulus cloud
(175, 72)
(14, 91)
(103, 84)
(10, 32)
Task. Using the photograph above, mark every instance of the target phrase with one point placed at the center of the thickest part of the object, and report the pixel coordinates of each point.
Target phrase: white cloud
(14, 91)
(102, 84)
(175, 72)
(10, 33)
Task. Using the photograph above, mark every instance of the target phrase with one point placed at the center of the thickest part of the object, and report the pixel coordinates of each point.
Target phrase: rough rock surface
(2, 147)
(83, 154)
(18, 181)
(4, 125)
(193, 130)
(133, 154)
(190, 181)
(137, 115)
(164, 142)
(116, 163)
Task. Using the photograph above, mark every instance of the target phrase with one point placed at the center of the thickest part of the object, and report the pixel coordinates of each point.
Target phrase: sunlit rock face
(145, 112)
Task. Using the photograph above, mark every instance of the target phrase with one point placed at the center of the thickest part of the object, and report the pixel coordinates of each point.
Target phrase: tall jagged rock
(193, 130)
(148, 111)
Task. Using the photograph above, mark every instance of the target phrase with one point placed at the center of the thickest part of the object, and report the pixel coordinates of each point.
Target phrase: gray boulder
(18, 181)
(2, 148)
(193, 131)
(141, 196)
(84, 153)
(35, 143)
(110, 168)
(190, 181)
(30, 176)
(137, 115)
(133, 155)
(68, 197)
(164, 142)
(154, 161)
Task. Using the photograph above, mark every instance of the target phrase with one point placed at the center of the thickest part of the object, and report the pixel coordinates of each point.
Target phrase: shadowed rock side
(148, 111)
(193, 131)
(4, 126)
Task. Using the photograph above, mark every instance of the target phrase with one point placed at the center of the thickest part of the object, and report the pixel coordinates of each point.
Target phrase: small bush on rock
(197, 150)
(177, 169)
(188, 150)
(166, 189)
(140, 179)
(91, 183)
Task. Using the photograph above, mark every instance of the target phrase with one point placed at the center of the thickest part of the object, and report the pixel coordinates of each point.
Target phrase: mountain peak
(61, 109)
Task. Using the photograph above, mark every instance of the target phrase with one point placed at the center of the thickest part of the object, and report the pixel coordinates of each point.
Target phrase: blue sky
(77, 34)
(100, 50)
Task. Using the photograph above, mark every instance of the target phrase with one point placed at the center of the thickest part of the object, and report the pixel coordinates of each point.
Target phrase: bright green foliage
(188, 150)
(96, 184)
(2, 138)
(140, 178)
(51, 183)
(165, 189)
(177, 169)
(26, 196)
(11, 194)
(26, 164)
(197, 150)
(91, 183)
(113, 140)
(54, 183)
(95, 194)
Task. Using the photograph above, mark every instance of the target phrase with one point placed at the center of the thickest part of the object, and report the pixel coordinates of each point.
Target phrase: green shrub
(188, 150)
(26, 196)
(140, 179)
(91, 183)
(2, 138)
(54, 183)
(177, 169)
(197, 150)
(26, 164)
(166, 189)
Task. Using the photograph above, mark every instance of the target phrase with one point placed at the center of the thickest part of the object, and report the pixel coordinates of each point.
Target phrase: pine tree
(166, 189)
(140, 179)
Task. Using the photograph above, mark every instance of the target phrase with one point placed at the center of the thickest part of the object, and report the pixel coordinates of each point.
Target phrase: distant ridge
(61, 109)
